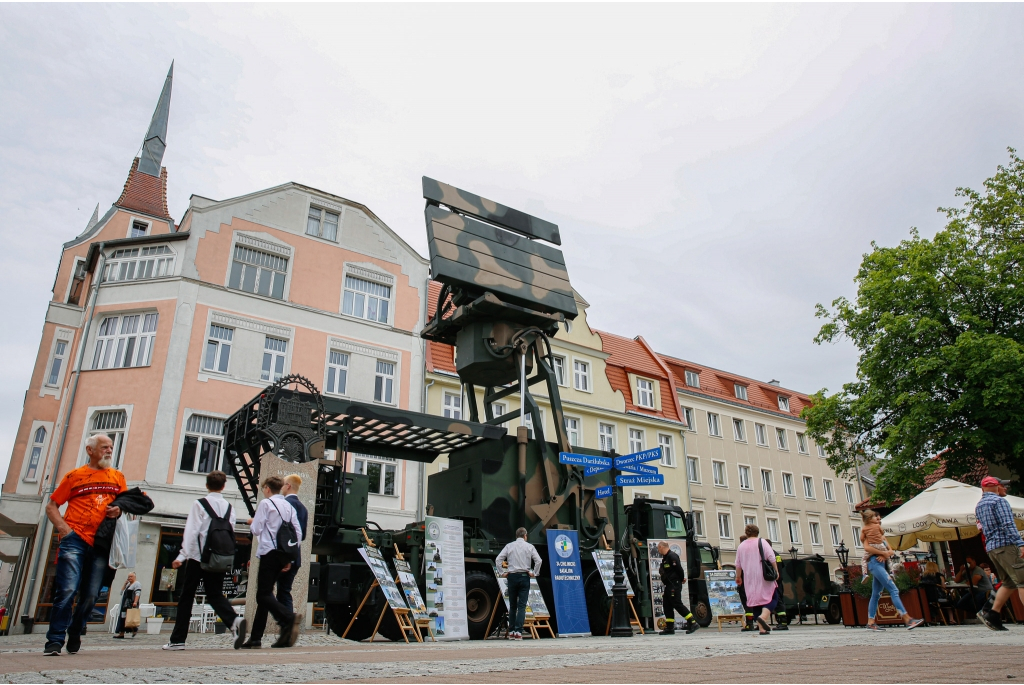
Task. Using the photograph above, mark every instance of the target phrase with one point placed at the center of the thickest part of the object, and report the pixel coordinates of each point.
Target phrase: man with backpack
(207, 553)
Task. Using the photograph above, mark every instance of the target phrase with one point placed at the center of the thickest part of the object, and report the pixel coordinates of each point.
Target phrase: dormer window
(740, 390)
(645, 393)
(783, 403)
(138, 229)
(693, 379)
(322, 224)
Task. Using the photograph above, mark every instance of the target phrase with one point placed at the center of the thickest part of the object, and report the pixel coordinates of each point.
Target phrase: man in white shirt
(273, 512)
(523, 563)
(197, 527)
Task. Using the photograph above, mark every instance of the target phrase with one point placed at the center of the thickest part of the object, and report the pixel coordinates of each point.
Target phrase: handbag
(769, 572)
(133, 618)
(123, 545)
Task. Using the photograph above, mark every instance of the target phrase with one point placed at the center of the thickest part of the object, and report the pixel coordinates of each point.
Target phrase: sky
(715, 170)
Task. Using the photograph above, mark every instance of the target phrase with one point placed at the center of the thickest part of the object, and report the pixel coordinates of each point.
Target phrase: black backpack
(287, 540)
(218, 555)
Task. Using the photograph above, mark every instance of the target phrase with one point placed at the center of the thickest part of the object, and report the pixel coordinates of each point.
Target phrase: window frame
(813, 526)
(341, 370)
(740, 469)
(139, 264)
(828, 489)
(143, 222)
(385, 385)
(275, 356)
(835, 533)
(321, 222)
(781, 440)
(740, 391)
(791, 490)
(821, 450)
(783, 403)
(453, 409)
(585, 375)
(642, 392)
(727, 533)
(118, 435)
(635, 437)
(790, 527)
(384, 463)
(772, 528)
(604, 437)
(769, 481)
(692, 378)
(201, 439)
(54, 380)
(856, 537)
(350, 294)
(689, 418)
(695, 472)
(714, 425)
(809, 492)
(739, 430)
(851, 493)
(269, 259)
(750, 519)
(760, 431)
(558, 363)
(715, 472)
(801, 443)
(138, 342)
(35, 454)
(223, 349)
(663, 440)
(698, 523)
(575, 435)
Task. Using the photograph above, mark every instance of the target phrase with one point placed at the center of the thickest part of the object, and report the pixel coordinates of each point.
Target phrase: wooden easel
(494, 612)
(633, 622)
(418, 623)
(730, 618)
(533, 625)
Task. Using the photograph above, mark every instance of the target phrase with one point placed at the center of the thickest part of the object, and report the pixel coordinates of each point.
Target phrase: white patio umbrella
(942, 512)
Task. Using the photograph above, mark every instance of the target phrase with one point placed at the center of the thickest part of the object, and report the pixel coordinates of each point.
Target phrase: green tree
(939, 325)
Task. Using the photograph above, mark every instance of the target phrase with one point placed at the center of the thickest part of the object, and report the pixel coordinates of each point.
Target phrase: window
(794, 532)
(218, 348)
(745, 478)
(783, 403)
(698, 523)
(673, 522)
(856, 537)
(38, 440)
(559, 367)
(693, 379)
(112, 424)
(821, 450)
(581, 375)
(738, 433)
(849, 493)
(322, 224)
(718, 473)
(724, 526)
(780, 438)
(258, 272)
(688, 418)
(606, 437)
(749, 520)
(274, 350)
(366, 299)
(77, 283)
(714, 427)
(137, 263)
(125, 341)
(138, 229)
(337, 372)
(773, 530)
(837, 536)
(381, 472)
(636, 440)
(740, 390)
(644, 393)
(498, 408)
(200, 452)
(766, 480)
(815, 530)
(59, 352)
(452, 405)
(787, 484)
(693, 469)
(830, 493)
(572, 428)
(668, 457)
(808, 487)
(801, 443)
(761, 434)
(384, 383)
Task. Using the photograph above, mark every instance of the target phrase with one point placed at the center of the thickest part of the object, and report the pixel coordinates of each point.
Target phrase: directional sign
(638, 457)
(640, 468)
(594, 470)
(584, 460)
(640, 480)
(603, 491)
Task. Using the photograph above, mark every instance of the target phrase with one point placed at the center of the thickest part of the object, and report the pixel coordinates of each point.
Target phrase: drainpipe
(686, 472)
(420, 508)
(42, 539)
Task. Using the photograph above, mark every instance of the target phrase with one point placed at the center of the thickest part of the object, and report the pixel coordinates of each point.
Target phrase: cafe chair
(940, 603)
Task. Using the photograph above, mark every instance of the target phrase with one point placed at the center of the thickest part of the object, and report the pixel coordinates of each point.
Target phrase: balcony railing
(769, 499)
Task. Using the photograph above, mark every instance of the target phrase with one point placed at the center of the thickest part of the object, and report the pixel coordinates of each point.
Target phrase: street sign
(640, 468)
(585, 460)
(594, 470)
(640, 480)
(603, 491)
(638, 457)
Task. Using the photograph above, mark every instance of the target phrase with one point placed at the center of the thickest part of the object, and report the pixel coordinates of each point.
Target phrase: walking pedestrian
(523, 563)
(748, 615)
(290, 491)
(207, 553)
(88, 492)
(131, 593)
(672, 578)
(1004, 546)
(278, 534)
(877, 553)
(750, 556)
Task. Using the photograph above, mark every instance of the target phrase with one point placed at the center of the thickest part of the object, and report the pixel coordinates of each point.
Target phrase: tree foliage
(939, 324)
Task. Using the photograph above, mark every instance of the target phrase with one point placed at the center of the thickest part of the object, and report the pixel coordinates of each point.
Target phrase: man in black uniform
(672, 577)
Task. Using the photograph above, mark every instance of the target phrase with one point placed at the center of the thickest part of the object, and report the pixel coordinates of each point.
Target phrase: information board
(372, 555)
(445, 571)
(657, 589)
(605, 560)
(412, 592)
(567, 582)
(535, 605)
(723, 593)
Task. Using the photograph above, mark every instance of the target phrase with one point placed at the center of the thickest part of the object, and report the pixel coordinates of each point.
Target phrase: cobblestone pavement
(811, 654)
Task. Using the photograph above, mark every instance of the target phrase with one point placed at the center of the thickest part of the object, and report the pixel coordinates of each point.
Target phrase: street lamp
(793, 552)
(844, 558)
(620, 602)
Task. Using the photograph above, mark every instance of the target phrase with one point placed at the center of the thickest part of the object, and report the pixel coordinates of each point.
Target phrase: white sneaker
(174, 646)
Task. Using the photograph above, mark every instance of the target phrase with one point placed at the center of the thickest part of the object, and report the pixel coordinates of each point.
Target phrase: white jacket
(198, 525)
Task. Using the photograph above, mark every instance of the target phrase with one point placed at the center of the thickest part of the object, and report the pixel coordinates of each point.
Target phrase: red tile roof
(145, 193)
(635, 356)
(440, 357)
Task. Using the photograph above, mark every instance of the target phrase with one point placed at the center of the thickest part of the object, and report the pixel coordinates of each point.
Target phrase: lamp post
(844, 559)
(620, 602)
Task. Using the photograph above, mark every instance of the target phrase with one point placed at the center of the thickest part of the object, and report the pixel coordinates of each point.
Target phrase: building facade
(158, 331)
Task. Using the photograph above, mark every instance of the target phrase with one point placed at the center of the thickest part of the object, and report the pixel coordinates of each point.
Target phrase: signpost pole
(620, 602)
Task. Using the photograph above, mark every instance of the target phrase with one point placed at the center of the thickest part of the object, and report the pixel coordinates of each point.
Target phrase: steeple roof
(145, 189)
(156, 137)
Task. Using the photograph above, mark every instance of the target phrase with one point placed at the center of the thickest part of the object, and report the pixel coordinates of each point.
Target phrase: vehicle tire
(598, 602)
(481, 594)
(701, 613)
(339, 615)
(834, 611)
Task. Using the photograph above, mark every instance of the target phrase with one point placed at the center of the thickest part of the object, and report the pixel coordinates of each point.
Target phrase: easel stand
(401, 615)
(494, 612)
(633, 622)
(533, 625)
(730, 618)
(417, 624)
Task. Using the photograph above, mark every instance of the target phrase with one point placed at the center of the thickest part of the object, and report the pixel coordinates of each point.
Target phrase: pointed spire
(156, 138)
(95, 218)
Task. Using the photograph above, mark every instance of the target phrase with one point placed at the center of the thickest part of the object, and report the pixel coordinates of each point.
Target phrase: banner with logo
(567, 583)
(657, 589)
(445, 569)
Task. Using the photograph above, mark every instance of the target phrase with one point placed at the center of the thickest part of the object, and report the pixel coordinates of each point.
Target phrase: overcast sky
(715, 170)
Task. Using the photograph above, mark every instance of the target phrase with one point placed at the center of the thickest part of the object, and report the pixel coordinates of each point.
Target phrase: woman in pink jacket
(749, 574)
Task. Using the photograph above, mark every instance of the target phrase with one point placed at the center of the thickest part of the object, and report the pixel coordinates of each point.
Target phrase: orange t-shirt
(88, 492)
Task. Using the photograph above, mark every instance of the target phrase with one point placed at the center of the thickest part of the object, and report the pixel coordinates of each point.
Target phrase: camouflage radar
(461, 201)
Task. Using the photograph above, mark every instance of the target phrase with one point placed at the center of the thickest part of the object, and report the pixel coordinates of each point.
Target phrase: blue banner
(567, 582)
(603, 491)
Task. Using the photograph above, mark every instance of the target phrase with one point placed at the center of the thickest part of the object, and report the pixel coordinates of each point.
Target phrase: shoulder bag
(769, 572)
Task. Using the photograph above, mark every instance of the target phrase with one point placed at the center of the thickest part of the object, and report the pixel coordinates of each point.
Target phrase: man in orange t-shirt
(88, 491)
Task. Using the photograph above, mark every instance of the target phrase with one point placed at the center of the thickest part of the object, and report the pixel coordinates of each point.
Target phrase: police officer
(672, 577)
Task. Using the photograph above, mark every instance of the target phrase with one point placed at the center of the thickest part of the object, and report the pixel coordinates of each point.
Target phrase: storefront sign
(444, 558)
(567, 583)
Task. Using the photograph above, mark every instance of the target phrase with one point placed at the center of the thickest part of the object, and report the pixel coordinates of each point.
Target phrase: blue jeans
(882, 581)
(78, 571)
(518, 596)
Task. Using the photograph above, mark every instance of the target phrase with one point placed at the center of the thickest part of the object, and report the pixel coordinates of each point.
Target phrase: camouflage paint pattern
(465, 202)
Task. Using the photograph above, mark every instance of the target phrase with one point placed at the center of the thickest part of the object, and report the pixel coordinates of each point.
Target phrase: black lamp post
(793, 552)
(620, 602)
(844, 559)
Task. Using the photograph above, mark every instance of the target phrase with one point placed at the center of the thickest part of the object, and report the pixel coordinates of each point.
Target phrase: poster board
(373, 558)
(444, 560)
(723, 594)
(535, 605)
(407, 582)
(605, 561)
(657, 589)
(567, 582)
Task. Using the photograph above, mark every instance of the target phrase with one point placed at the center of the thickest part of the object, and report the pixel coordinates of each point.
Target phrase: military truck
(505, 290)
(808, 589)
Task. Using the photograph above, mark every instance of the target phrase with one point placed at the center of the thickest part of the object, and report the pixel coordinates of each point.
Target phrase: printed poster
(412, 592)
(657, 589)
(723, 593)
(535, 605)
(605, 560)
(445, 570)
(379, 567)
(567, 583)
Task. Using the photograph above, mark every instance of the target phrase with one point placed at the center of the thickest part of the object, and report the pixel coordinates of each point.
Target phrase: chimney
(775, 383)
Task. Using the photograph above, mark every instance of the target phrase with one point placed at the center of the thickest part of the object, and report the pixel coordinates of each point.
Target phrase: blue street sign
(640, 480)
(641, 468)
(584, 460)
(603, 491)
(638, 457)
(594, 470)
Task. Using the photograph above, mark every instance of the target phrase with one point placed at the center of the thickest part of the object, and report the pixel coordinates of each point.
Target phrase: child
(872, 534)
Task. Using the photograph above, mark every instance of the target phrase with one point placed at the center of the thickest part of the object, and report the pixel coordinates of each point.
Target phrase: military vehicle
(505, 290)
(808, 589)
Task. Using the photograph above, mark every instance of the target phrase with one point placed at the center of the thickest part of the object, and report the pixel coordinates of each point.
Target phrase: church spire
(156, 138)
